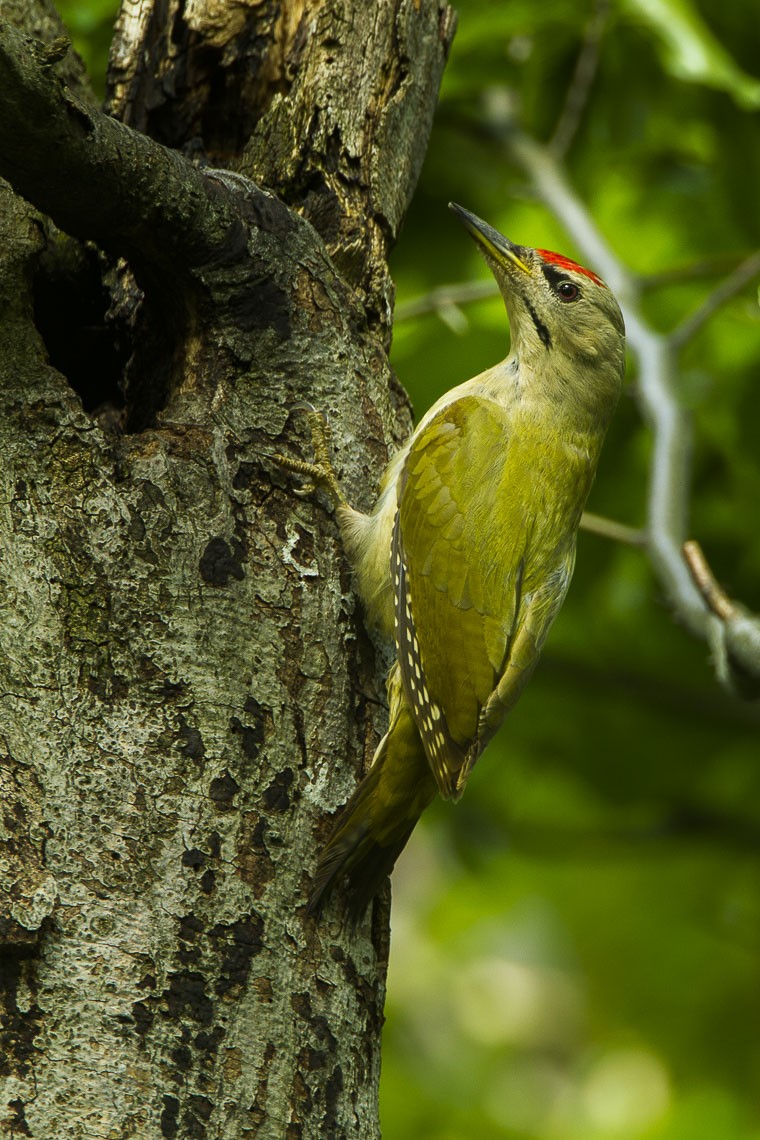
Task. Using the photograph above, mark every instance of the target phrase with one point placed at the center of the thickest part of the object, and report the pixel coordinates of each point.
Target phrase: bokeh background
(576, 945)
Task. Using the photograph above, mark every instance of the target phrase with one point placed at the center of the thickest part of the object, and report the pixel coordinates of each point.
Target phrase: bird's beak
(500, 248)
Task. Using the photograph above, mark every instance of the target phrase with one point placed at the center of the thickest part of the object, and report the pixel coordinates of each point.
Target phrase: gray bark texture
(187, 693)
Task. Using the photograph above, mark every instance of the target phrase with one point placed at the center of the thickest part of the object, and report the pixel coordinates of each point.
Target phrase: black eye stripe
(553, 275)
(557, 278)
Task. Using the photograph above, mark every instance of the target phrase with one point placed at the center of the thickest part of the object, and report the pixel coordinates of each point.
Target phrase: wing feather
(487, 593)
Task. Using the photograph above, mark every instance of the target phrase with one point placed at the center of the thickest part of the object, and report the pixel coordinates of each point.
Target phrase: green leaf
(691, 52)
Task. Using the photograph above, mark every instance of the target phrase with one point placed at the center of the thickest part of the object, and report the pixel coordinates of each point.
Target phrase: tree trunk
(186, 689)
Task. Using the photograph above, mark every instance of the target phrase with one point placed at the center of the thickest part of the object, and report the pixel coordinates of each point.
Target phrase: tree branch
(583, 78)
(98, 179)
(704, 579)
(735, 631)
(609, 528)
(445, 297)
(741, 276)
(694, 271)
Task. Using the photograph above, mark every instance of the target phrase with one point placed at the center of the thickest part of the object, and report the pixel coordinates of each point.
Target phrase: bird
(466, 557)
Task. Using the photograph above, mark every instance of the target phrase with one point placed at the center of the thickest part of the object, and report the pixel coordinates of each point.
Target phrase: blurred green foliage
(90, 24)
(576, 946)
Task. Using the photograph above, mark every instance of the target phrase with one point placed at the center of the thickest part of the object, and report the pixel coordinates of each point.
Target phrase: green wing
(481, 565)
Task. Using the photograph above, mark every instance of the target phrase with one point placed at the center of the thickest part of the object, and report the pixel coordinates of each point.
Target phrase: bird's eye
(567, 291)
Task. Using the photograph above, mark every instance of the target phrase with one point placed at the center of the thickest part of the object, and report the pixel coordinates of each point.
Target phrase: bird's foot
(321, 471)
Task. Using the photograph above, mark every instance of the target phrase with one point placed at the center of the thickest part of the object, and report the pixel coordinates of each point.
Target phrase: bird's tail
(375, 824)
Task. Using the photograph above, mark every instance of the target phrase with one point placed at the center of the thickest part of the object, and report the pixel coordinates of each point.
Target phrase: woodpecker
(468, 552)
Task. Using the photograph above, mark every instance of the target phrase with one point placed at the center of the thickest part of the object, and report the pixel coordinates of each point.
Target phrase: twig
(741, 276)
(617, 532)
(445, 297)
(733, 632)
(695, 271)
(704, 579)
(578, 92)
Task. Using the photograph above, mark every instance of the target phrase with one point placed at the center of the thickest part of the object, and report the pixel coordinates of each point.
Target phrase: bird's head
(565, 323)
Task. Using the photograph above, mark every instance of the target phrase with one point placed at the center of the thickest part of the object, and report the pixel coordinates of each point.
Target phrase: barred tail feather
(373, 828)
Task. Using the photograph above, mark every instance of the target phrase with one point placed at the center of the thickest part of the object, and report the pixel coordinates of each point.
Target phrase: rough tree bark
(186, 689)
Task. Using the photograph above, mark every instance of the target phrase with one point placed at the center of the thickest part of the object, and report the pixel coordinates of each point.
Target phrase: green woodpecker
(468, 553)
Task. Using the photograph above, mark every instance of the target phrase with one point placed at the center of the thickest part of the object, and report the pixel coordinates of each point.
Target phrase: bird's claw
(320, 473)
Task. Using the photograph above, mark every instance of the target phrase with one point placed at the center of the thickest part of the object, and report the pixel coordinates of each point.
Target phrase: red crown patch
(565, 263)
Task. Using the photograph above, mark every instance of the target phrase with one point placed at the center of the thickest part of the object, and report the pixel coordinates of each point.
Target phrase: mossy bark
(186, 689)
